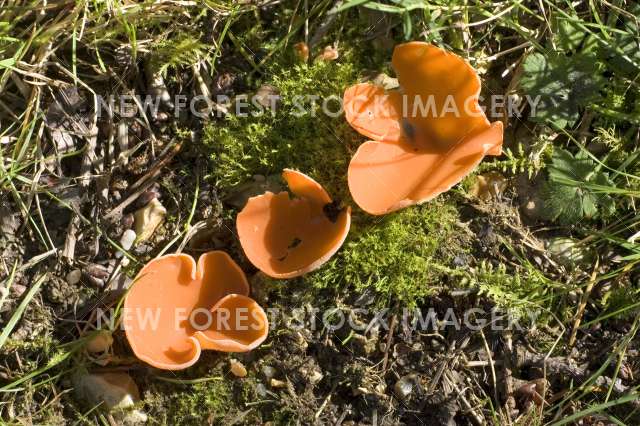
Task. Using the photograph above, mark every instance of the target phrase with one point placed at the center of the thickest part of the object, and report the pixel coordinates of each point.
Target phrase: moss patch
(395, 254)
(297, 135)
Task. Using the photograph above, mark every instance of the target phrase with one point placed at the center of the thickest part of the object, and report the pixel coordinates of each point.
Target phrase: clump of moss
(297, 135)
(203, 402)
(396, 254)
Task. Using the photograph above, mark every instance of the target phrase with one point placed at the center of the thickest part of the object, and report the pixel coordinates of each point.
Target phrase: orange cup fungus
(426, 136)
(176, 308)
(287, 237)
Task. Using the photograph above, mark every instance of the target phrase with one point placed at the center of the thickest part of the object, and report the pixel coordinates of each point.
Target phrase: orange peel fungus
(287, 237)
(176, 308)
(425, 137)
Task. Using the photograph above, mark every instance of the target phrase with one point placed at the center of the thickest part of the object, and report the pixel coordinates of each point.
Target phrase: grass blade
(20, 310)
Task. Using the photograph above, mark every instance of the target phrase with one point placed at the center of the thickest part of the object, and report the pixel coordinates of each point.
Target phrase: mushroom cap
(427, 136)
(176, 308)
(427, 72)
(373, 112)
(287, 237)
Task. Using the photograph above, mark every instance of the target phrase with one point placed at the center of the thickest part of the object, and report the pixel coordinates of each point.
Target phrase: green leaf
(7, 63)
(409, 5)
(20, 310)
(381, 7)
(569, 194)
(625, 60)
(350, 4)
(567, 33)
(565, 166)
(407, 25)
(564, 83)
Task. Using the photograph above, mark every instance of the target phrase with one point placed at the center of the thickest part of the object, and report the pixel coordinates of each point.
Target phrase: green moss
(298, 135)
(192, 404)
(43, 344)
(396, 254)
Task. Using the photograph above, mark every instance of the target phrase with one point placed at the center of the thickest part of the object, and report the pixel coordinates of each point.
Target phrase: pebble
(126, 241)
(568, 252)
(73, 277)
(261, 390)
(18, 289)
(101, 342)
(404, 386)
(268, 372)
(315, 377)
(112, 391)
(237, 368)
(275, 383)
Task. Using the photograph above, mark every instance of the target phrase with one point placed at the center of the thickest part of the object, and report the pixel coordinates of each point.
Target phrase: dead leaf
(329, 53)
(148, 218)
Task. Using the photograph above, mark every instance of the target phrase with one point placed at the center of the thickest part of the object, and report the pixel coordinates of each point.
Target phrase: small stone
(404, 386)
(111, 391)
(312, 373)
(9, 222)
(315, 377)
(18, 289)
(277, 384)
(101, 342)
(261, 390)
(126, 241)
(148, 218)
(568, 252)
(237, 368)
(73, 277)
(268, 372)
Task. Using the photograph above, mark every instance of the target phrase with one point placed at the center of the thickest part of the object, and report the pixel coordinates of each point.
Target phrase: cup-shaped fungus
(287, 237)
(176, 308)
(426, 136)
